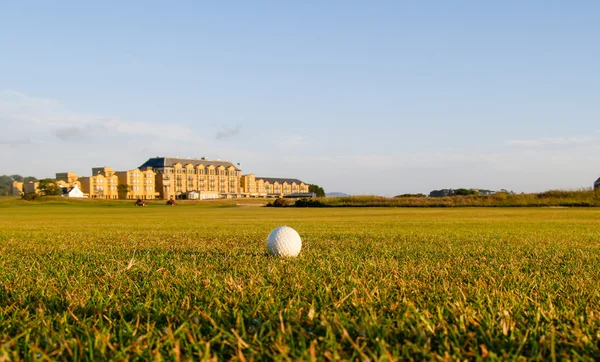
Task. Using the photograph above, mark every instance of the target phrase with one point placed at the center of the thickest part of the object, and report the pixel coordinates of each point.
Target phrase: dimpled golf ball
(284, 241)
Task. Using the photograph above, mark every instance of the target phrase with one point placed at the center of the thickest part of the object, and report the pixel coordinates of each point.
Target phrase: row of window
(145, 188)
(135, 181)
(203, 172)
(108, 181)
(138, 175)
(108, 188)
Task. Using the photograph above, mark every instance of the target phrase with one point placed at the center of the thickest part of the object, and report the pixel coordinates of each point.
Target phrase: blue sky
(361, 97)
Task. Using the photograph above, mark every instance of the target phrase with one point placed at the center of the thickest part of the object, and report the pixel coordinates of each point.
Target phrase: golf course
(105, 280)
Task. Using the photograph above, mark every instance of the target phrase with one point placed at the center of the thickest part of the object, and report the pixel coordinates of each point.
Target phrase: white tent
(72, 192)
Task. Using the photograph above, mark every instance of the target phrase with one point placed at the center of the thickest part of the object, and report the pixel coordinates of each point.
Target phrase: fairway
(108, 280)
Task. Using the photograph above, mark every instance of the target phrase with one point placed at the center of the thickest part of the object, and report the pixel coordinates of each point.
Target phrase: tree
(410, 195)
(17, 178)
(30, 179)
(123, 189)
(463, 192)
(440, 193)
(5, 185)
(47, 187)
(318, 190)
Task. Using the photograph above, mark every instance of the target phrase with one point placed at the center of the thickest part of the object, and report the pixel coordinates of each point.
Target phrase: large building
(101, 185)
(140, 184)
(205, 179)
(597, 184)
(255, 186)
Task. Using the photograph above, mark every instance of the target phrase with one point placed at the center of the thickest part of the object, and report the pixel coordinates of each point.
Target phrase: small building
(73, 191)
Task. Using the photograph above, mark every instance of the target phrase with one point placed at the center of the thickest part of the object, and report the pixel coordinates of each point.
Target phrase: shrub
(280, 202)
(30, 196)
(308, 203)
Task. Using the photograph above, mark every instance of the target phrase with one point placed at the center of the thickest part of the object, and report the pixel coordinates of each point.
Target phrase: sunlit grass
(114, 281)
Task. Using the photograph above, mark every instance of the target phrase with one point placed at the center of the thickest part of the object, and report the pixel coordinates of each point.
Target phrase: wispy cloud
(227, 132)
(571, 141)
(15, 142)
(45, 116)
(292, 141)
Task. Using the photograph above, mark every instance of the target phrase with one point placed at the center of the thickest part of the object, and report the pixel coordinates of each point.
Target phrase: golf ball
(284, 241)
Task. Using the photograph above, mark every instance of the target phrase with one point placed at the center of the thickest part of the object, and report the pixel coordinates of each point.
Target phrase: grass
(110, 281)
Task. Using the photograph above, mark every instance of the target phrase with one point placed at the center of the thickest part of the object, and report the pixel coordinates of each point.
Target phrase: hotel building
(208, 179)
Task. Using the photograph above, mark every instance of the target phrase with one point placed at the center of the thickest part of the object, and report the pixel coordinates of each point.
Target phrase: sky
(362, 97)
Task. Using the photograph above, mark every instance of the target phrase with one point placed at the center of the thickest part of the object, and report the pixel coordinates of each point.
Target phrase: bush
(30, 196)
(280, 202)
(308, 203)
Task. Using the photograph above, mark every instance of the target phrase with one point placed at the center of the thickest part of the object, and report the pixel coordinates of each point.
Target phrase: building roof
(297, 195)
(162, 162)
(279, 180)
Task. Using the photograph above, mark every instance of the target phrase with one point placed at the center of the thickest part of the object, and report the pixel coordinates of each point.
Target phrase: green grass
(110, 281)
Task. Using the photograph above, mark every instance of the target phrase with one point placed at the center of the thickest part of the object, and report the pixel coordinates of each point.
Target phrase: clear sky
(363, 97)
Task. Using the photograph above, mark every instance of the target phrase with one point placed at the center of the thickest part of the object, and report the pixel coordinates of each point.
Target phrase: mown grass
(101, 281)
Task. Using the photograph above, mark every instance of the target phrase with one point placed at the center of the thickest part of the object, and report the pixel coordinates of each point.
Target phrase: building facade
(140, 184)
(176, 177)
(67, 180)
(255, 186)
(277, 187)
(101, 185)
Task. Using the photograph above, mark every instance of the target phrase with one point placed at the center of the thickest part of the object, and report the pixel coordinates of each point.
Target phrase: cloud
(46, 117)
(71, 133)
(228, 132)
(572, 141)
(292, 141)
(16, 142)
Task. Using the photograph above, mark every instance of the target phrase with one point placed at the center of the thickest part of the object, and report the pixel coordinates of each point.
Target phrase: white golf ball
(284, 241)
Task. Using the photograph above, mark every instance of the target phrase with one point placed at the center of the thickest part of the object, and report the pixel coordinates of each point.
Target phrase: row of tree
(457, 192)
(464, 192)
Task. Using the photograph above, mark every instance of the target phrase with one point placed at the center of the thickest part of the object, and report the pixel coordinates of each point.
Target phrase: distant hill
(336, 194)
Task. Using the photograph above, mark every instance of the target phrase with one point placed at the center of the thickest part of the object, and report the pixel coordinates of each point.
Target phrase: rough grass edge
(552, 198)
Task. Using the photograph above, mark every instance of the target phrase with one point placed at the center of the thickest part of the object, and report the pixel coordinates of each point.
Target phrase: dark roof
(162, 162)
(280, 180)
(297, 195)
